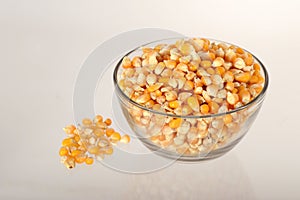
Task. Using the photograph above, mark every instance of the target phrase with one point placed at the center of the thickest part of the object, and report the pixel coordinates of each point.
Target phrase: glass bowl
(197, 137)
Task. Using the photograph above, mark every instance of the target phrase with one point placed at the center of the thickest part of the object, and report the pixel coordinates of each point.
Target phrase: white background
(44, 43)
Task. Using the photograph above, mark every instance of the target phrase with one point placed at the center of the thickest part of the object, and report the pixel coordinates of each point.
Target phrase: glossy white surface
(42, 46)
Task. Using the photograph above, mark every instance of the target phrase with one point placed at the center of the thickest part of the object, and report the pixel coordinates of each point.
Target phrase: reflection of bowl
(198, 137)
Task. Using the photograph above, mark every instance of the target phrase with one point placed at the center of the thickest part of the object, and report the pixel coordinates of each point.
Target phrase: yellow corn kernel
(258, 89)
(249, 59)
(80, 158)
(175, 123)
(205, 63)
(256, 67)
(193, 66)
(173, 104)
(211, 55)
(87, 122)
(193, 103)
(230, 56)
(115, 136)
(158, 93)
(211, 71)
(77, 138)
(254, 79)
(69, 129)
(149, 103)
(235, 90)
(243, 77)
(239, 63)
(171, 64)
(229, 86)
(218, 62)
(244, 95)
(239, 50)
(76, 153)
(220, 71)
(63, 151)
(89, 161)
(213, 107)
(109, 132)
(261, 79)
(205, 46)
(204, 109)
(125, 139)
(155, 86)
(188, 85)
(163, 80)
(126, 63)
(136, 61)
(68, 142)
(232, 98)
(183, 67)
(227, 119)
(108, 121)
(94, 150)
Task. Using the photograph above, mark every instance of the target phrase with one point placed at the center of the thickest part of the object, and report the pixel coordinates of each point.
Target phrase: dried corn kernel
(204, 108)
(243, 77)
(69, 129)
(126, 63)
(115, 136)
(76, 153)
(193, 103)
(89, 161)
(63, 151)
(175, 123)
(173, 104)
(205, 64)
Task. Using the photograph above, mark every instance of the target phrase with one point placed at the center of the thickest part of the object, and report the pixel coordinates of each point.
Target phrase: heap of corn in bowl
(191, 99)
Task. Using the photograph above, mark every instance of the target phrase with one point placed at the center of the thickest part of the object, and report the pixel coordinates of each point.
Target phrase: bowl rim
(257, 99)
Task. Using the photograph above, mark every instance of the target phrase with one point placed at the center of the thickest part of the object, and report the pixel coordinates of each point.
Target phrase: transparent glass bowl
(216, 138)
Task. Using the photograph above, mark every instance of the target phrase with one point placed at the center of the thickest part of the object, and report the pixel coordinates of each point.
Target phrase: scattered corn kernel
(63, 151)
(89, 161)
(115, 136)
(69, 129)
(91, 139)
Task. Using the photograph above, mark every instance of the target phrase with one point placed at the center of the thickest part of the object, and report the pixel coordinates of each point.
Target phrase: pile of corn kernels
(91, 140)
(191, 77)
